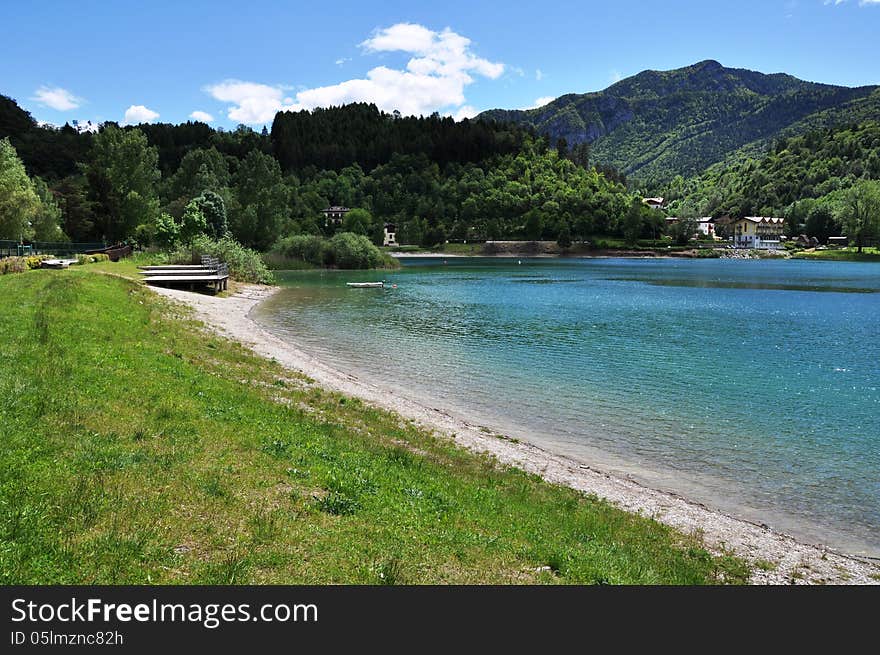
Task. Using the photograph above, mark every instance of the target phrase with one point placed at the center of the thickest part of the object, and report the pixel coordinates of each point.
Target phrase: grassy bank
(841, 255)
(138, 449)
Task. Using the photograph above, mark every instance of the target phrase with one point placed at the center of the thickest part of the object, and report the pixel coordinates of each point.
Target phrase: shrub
(245, 265)
(344, 250)
(83, 258)
(21, 264)
(307, 247)
(165, 232)
(13, 265)
(34, 261)
(350, 250)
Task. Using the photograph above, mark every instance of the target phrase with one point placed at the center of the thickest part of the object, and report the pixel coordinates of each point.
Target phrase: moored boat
(365, 285)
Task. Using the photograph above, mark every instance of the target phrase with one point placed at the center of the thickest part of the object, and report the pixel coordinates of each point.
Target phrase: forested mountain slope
(659, 124)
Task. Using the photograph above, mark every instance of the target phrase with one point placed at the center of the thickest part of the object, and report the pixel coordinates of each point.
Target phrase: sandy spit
(783, 559)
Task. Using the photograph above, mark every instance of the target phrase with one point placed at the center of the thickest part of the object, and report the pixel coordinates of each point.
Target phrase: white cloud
(440, 67)
(139, 114)
(57, 98)
(465, 112)
(539, 74)
(615, 76)
(252, 103)
(862, 3)
(202, 116)
(342, 60)
(540, 102)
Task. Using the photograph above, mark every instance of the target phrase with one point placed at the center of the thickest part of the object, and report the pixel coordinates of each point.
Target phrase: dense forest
(659, 124)
(435, 178)
(803, 178)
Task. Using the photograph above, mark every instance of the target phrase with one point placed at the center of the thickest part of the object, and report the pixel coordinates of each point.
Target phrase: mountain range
(659, 124)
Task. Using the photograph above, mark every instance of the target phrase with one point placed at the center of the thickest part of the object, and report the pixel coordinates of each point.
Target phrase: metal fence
(19, 249)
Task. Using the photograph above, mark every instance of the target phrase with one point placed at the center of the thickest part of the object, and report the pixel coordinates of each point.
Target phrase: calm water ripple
(749, 385)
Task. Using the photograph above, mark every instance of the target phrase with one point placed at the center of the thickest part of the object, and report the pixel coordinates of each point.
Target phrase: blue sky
(238, 62)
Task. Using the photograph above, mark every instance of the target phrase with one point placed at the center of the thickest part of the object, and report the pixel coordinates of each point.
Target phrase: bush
(245, 265)
(34, 261)
(344, 250)
(307, 247)
(13, 265)
(83, 258)
(349, 250)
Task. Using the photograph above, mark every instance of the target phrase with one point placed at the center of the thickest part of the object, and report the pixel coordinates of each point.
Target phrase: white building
(390, 235)
(758, 232)
(334, 215)
(705, 226)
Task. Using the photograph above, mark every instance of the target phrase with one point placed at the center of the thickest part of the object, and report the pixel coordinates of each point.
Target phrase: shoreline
(599, 254)
(780, 558)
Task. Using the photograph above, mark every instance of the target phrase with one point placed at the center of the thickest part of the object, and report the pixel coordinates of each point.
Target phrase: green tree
(633, 222)
(19, 203)
(534, 225)
(562, 147)
(859, 212)
(263, 201)
(167, 231)
(358, 221)
(123, 172)
(213, 208)
(46, 224)
(821, 224)
(202, 169)
(564, 237)
(349, 250)
(433, 236)
(193, 223)
(76, 208)
(683, 230)
(580, 154)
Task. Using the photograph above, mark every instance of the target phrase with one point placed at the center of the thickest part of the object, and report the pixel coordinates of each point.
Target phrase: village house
(389, 237)
(654, 203)
(758, 232)
(705, 226)
(334, 215)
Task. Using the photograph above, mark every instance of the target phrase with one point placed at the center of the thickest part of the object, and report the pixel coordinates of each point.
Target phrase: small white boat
(56, 263)
(365, 285)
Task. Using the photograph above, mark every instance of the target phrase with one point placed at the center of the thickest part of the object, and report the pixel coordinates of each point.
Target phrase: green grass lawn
(138, 449)
(842, 254)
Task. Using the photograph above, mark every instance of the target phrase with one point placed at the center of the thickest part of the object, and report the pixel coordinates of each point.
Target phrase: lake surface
(752, 386)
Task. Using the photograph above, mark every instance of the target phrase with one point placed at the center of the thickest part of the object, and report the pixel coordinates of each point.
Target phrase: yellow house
(759, 232)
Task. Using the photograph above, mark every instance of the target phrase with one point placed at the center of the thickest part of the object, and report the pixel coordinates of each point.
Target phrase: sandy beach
(780, 558)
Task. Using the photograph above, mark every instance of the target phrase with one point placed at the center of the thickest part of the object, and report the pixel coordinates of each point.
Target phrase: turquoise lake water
(751, 386)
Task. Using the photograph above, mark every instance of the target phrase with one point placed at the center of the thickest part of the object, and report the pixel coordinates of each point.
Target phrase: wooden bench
(210, 272)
